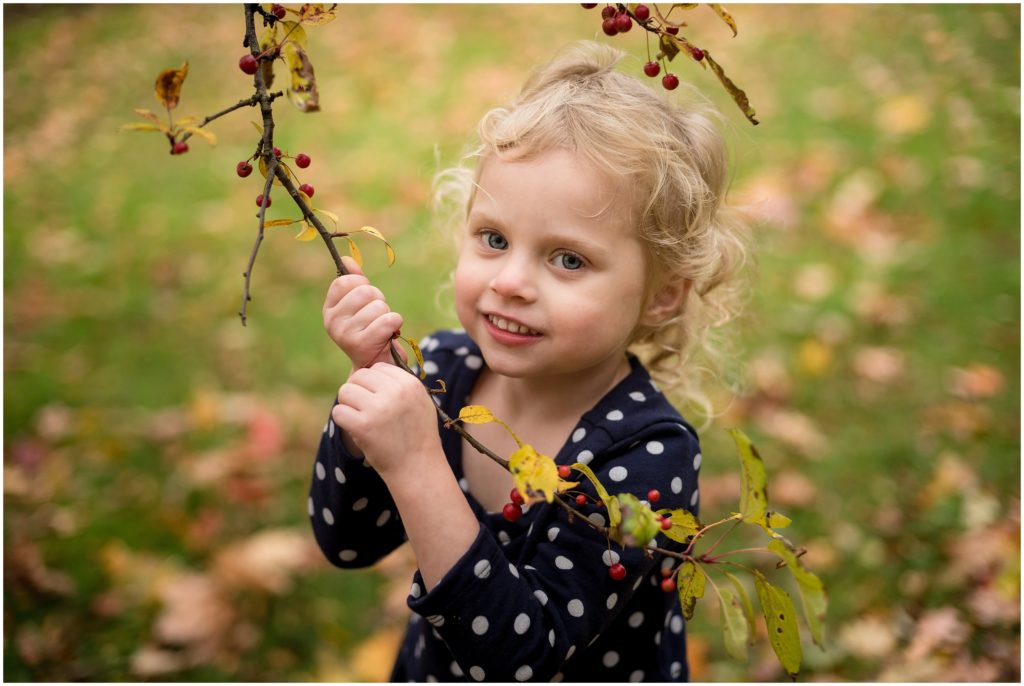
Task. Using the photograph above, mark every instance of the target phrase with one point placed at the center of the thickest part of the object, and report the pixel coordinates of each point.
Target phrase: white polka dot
(455, 669)
(639, 581)
(462, 351)
(694, 497)
(551, 638)
(675, 670)
(474, 362)
(636, 619)
(636, 676)
(578, 435)
(425, 342)
(415, 590)
(557, 679)
(618, 473)
(676, 485)
(430, 368)
(482, 569)
(597, 518)
(504, 538)
(360, 504)
(321, 472)
(696, 461)
(585, 457)
(655, 447)
(477, 673)
(610, 659)
(524, 673)
(311, 510)
(512, 568)
(609, 557)
(638, 396)
(541, 596)
(339, 475)
(612, 599)
(522, 623)
(347, 555)
(530, 568)
(431, 679)
(553, 533)
(328, 516)
(676, 624)
(614, 416)
(576, 607)
(436, 620)
(655, 386)
(384, 517)
(562, 562)
(464, 485)
(593, 640)
(657, 639)
(480, 625)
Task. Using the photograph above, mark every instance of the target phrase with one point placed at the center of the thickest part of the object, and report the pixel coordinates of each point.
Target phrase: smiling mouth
(510, 326)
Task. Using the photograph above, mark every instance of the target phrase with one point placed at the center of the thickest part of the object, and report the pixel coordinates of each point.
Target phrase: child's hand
(389, 415)
(358, 319)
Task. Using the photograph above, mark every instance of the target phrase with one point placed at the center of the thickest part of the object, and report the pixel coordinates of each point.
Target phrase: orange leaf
(315, 14)
(168, 85)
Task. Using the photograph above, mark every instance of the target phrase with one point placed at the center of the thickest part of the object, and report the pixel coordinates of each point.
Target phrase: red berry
(642, 12)
(277, 152)
(307, 189)
(672, 29)
(666, 524)
(697, 53)
(248, 64)
(564, 471)
(512, 512)
(515, 497)
(179, 148)
(623, 23)
(653, 495)
(610, 27)
(259, 200)
(668, 585)
(670, 81)
(652, 69)
(666, 572)
(617, 571)
(243, 169)
(608, 12)
(581, 499)
(278, 11)
(588, 5)
(302, 160)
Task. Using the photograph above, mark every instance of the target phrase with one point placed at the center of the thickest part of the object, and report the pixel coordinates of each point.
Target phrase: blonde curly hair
(672, 157)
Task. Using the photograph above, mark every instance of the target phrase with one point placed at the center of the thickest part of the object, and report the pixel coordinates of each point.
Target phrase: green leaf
(614, 514)
(690, 584)
(734, 625)
(777, 520)
(639, 523)
(744, 598)
(753, 498)
(812, 591)
(684, 525)
(780, 616)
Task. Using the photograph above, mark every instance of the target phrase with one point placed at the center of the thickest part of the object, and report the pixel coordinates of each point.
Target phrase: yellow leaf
(353, 250)
(277, 182)
(753, 498)
(684, 525)
(614, 513)
(777, 520)
(168, 86)
(726, 17)
(330, 215)
(735, 627)
(294, 32)
(780, 616)
(316, 14)
(302, 91)
(476, 414)
(202, 133)
(308, 233)
(535, 475)
(379, 236)
(738, 96)
(147, 114)
(259, 129)
(690, 584)
(812, 590)
(271, 223)
(140, 127)
(186, 121)
(418, 354)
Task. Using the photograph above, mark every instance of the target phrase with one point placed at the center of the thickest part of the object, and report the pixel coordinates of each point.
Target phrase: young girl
(592, 224)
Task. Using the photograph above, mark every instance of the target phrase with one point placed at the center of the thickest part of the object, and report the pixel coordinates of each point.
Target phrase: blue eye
(569, 261)
(494, 240)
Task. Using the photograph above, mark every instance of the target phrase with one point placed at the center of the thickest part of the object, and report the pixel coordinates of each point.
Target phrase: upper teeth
(511, 327)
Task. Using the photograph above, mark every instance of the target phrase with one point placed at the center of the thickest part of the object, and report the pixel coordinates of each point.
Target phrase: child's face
(551, 272)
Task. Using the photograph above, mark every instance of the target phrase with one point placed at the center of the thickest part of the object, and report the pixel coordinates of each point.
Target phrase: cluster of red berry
(616, 19)
(247, 62)
(302, 160)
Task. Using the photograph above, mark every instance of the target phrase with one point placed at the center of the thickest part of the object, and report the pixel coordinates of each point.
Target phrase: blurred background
(156, 452)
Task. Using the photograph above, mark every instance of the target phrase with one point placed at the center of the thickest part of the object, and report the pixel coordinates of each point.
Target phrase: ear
(666, 300)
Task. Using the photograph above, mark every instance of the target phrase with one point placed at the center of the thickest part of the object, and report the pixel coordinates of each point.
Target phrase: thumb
(351, 266)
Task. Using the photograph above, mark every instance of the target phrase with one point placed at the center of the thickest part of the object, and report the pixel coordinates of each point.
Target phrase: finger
(351, 266)
(362, 295)
(384, 326)
(341, 286)
(369, 381)
(353, 395)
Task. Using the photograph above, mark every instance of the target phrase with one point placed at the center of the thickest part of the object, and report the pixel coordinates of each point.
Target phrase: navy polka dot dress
(531, 600)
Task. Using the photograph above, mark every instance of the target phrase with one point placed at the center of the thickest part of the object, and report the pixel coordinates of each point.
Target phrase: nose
(514, 280)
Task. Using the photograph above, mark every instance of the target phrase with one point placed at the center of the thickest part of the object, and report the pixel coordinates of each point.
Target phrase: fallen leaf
(372, 659)
(814, 282)
(937, 628)
(268, 561)
(872, 637)
(881, 365)
(794, 429)
(195, 614)
(903, 115)
(792, 489)
(976, 382)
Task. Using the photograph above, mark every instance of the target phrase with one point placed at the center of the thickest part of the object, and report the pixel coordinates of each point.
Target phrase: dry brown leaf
(976, 382)
(879, 364)
(792, 489)
(268, 561)
(769, 376)
(871, 637)
(951, 475)
(937, 628)
(814, 282)
(903, 115)
(150, 662)
(373, 659)
(794, 429)
(24, 564)
(195, 613)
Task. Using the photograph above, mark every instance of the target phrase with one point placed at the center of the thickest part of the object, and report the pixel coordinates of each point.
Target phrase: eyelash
(486, 236)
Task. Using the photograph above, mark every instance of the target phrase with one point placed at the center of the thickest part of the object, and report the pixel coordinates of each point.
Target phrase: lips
(510, 325)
